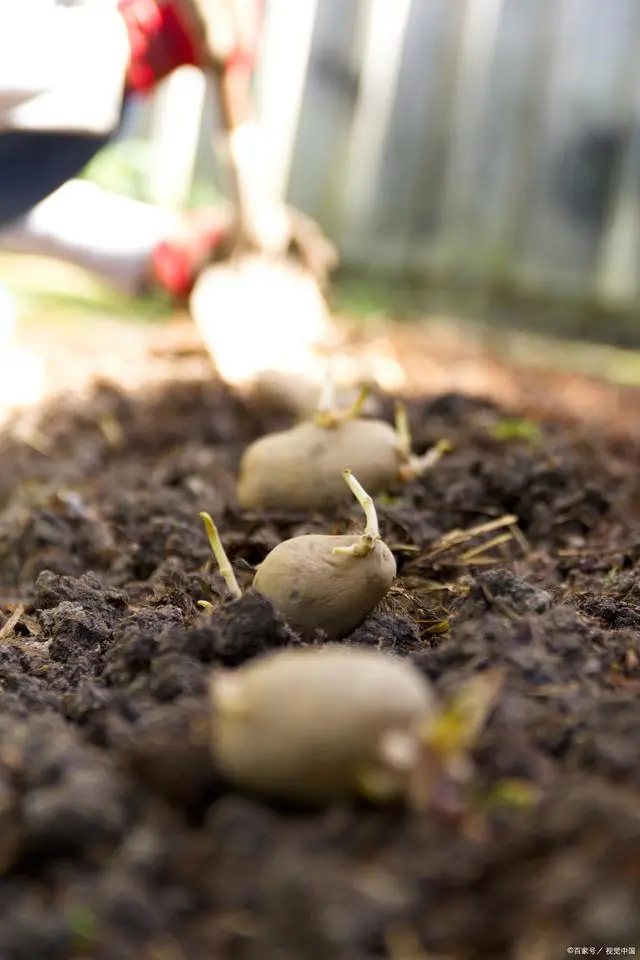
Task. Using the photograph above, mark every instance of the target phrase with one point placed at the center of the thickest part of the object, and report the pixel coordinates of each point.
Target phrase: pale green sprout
(412, 465)
(371, 534)
(221, 558)
(327, 414)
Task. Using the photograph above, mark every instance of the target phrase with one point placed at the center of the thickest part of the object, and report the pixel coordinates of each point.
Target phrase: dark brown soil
(118, 838)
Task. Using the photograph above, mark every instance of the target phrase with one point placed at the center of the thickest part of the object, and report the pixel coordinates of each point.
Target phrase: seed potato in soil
(119, 838)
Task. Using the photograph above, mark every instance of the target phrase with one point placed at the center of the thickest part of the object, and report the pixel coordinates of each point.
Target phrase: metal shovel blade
(264, 321)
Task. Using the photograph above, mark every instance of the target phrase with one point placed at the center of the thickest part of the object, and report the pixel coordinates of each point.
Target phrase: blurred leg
(33, 165)
(112, 236)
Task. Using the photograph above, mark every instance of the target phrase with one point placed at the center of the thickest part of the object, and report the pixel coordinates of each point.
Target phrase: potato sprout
(274, 471)
(318, 581)
(313, 724)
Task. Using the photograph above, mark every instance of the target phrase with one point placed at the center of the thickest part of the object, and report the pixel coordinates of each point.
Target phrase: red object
(161, 42)
(177, 261)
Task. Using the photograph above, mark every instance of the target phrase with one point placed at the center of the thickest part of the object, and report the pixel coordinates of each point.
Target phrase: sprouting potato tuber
(329, 583)
(313, 724)
(274, 471)
(273, 475)
(318, 581)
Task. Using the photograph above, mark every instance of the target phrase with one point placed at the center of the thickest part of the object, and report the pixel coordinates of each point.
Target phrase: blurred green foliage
(517, 429)
(123, 168)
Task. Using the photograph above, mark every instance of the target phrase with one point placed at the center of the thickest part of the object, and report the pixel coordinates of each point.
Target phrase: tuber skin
(329, 583)
(317, 724)
(317, 581)
(274, 471)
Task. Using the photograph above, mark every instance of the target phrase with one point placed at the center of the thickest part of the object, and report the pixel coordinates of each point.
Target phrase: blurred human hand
(211, 235)
(227, 32)
(167, 34)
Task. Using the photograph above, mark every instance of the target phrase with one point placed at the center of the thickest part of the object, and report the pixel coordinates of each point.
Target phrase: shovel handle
(234, 98)
(236, 109)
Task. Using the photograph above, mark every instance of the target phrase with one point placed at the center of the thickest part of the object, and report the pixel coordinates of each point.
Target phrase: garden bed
(119, 840)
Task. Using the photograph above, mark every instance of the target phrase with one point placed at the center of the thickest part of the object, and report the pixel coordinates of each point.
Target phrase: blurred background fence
(487, 142)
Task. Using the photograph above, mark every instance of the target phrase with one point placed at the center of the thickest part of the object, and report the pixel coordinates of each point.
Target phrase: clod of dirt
(10, 826)
(70, 796)
(136, 644)
(245, 628)
(388, 633)
(74, 631)
(86, 590)
(503, 592)
(169, 751)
